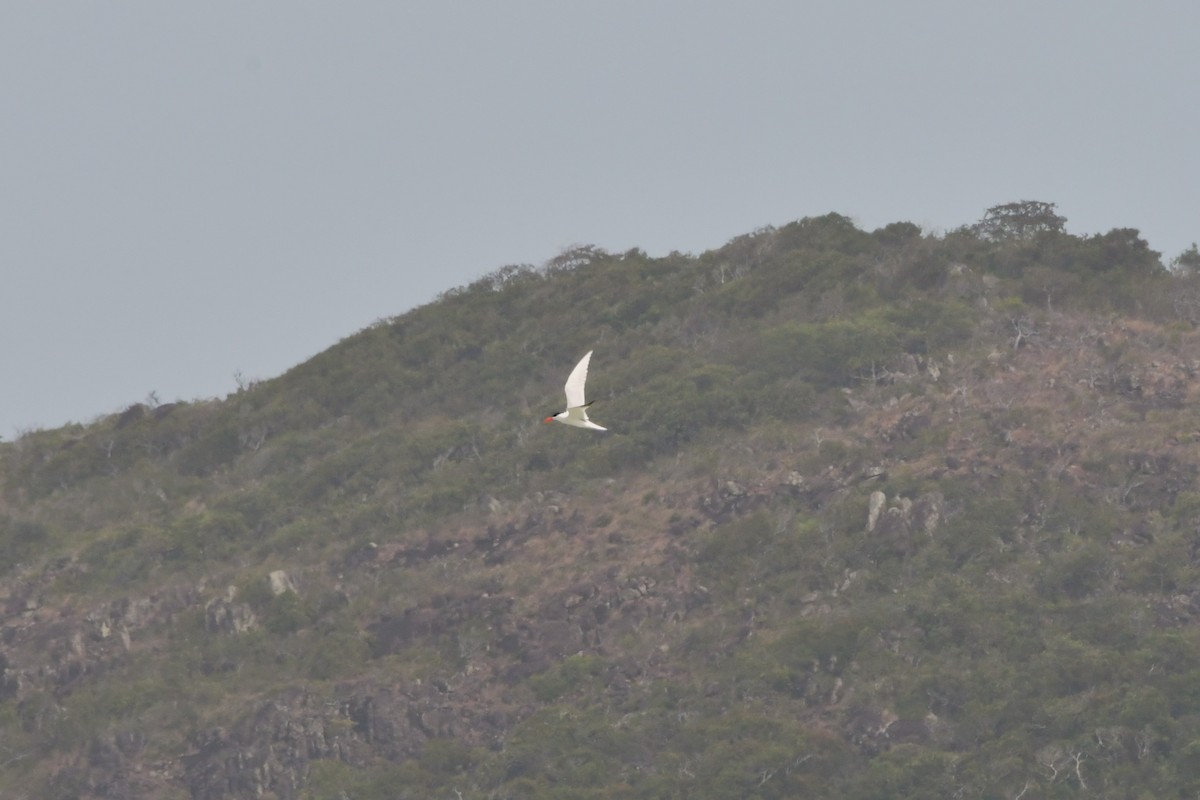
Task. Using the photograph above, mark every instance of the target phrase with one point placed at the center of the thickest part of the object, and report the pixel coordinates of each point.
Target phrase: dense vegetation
(883, 515)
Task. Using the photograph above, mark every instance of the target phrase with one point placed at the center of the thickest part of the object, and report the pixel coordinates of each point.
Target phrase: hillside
(882, 515)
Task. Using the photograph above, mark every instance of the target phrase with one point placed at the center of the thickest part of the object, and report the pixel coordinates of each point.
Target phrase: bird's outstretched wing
(579, 418)
(575, 382)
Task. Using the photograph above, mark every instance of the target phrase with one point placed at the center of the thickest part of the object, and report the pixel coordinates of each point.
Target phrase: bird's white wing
(575, 383)
(578, 417)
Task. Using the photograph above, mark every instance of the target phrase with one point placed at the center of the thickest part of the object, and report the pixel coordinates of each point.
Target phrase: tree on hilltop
(1022, 221)
(1187, 262)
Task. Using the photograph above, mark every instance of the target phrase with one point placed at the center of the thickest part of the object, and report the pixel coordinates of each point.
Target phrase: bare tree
(1024, 330)
(1078, 757)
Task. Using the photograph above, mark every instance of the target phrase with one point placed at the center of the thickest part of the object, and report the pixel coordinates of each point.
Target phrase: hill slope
(882, 514)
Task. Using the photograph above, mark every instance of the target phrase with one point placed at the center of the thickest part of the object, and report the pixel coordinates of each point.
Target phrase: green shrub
(205, 535)
(828, 354)
(122, 558)
(336, 780)
(19, 539)
(567, 676)
(215, 448)
(285, 614)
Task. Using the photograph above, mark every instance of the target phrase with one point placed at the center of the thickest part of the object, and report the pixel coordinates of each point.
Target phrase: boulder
(281, 582)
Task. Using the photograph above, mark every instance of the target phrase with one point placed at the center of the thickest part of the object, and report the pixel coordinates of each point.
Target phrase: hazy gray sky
(189, 190)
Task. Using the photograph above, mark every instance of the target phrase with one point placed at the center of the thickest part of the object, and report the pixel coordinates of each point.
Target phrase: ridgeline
(881, 514)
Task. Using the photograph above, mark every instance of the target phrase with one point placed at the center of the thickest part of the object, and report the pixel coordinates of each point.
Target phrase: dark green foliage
(1023, 220)
(732, 554)
(284, 614)
(835, 353)
(1026, 240)
(668, 410)
(1081, 570)
(335, 780)
(121, 559)
(19, 539)
(906, 771)
(566, 677)
(1121, 251)
(212, 450)
(828, 233)
(981, 530)
(568, 747)
(897, 233)
(927, 326)
(1187, 262)
(208, 535)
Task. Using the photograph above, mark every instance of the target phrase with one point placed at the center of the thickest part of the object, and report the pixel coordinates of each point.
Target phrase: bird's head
(551, 418)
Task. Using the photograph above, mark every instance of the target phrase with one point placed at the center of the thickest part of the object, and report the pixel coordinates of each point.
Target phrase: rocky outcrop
(281, 582)
(901, 524)
(226, 615)
(875, 506)
(269, 750)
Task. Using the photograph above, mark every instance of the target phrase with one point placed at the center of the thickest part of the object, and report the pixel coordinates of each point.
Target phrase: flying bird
(576, 413)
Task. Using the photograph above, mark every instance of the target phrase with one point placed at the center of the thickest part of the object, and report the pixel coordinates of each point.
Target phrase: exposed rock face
(904, 515)
(268, 750)
(899, 523)
(281, 582)
(928, 512)
(729, 498)
(874, 507)
(794, 482)
(227, 616)
(496, 638)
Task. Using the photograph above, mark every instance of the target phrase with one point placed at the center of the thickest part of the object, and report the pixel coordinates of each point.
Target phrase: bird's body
(576, 412)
